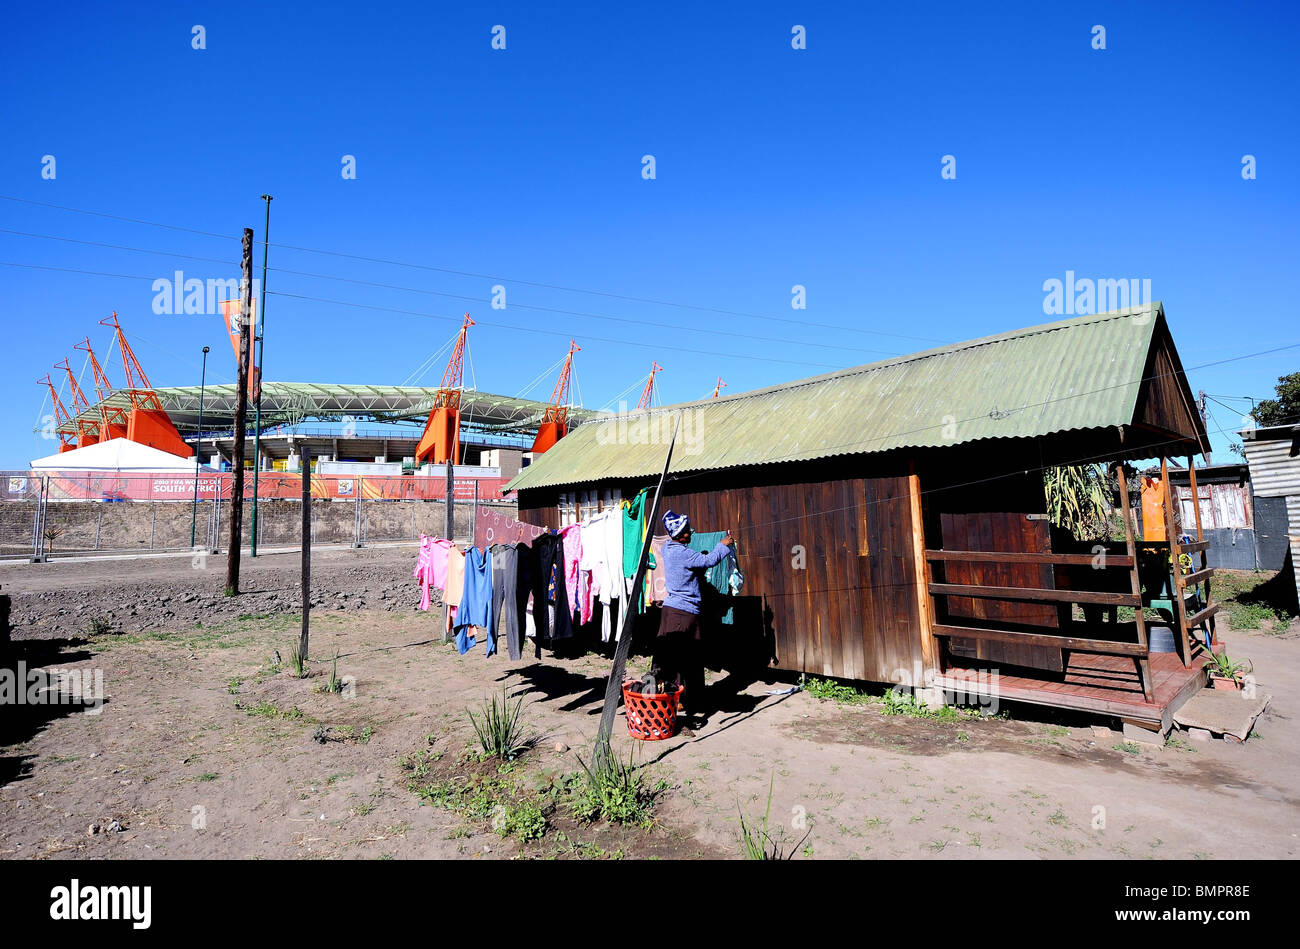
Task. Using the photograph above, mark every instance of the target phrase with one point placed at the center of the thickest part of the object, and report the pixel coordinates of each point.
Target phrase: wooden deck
(1106, 685)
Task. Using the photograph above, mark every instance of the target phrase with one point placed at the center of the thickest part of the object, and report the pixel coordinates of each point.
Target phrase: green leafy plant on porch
(1078, 500)
(1220, 664)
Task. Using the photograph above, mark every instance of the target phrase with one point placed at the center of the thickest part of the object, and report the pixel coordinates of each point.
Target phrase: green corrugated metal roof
(1074, 374)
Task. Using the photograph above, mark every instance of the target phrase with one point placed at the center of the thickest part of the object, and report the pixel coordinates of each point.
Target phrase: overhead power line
(652, 301)
(657, 324)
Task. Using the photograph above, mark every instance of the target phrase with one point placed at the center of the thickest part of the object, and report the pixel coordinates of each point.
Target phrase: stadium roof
(287, 403)
(1083, 373)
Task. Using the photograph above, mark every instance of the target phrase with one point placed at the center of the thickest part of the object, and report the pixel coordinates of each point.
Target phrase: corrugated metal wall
(1274, 469)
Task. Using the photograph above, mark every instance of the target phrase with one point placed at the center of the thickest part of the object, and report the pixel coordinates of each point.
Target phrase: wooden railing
(1109, 558)
(1115, 554)
(1063, 641)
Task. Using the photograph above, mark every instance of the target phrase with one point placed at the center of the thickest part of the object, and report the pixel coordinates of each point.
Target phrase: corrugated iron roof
(1080, 373)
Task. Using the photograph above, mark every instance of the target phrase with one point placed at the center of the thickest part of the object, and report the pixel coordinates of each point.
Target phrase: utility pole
(241, 415)
(1205, 422)
(257, 399)
(198, 445)
(306, 553)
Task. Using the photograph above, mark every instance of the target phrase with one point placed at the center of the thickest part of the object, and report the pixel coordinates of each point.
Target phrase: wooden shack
(891, 518)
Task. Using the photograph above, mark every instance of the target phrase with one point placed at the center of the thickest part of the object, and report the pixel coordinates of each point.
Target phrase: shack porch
(1022, 613)
(1105, 685)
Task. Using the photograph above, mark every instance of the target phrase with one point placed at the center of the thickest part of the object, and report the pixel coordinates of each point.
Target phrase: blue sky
(774, 167)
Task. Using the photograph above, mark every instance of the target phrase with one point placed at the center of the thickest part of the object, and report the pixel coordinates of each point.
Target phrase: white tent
(116, 454)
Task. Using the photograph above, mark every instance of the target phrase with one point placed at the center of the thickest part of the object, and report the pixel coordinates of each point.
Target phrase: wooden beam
(1144, 660)
(1171, 531)
(993, 556)
(1074, 643)
(1197, 619)
(1036, 594)
(1192, 579)
(1205, 557)
(925, 603)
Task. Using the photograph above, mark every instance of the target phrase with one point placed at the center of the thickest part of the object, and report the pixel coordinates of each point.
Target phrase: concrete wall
(86, 526)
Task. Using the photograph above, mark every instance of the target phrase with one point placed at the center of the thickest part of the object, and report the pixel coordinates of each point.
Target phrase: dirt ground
(201, 749)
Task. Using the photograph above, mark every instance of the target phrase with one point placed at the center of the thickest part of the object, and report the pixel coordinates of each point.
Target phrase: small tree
(1078, 500)
(1283, 410)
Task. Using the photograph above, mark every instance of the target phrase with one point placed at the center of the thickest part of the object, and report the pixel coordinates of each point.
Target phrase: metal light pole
(194, 511)
(257, 411)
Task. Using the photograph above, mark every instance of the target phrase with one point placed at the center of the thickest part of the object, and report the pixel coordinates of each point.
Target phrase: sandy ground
(202, 750)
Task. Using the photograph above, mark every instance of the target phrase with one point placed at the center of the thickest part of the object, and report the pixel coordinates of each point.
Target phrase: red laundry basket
(651, 716)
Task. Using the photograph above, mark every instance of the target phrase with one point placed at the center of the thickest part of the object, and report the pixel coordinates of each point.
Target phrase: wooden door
(1010, 532)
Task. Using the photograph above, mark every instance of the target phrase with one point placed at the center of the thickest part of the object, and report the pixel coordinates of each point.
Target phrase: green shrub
(501, 730)
(611, 790)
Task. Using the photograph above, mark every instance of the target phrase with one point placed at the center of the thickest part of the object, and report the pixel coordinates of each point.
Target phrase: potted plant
(1225, 672)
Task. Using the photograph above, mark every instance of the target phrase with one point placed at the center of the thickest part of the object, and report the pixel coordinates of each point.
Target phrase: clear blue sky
(774, 167)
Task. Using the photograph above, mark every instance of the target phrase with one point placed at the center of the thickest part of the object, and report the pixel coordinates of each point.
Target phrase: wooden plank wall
(851, 610)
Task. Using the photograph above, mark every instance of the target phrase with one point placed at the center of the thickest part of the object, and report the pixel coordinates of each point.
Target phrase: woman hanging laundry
(678, 659)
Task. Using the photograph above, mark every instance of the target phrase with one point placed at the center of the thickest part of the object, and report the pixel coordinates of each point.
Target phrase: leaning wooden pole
(450, 510)
(614, 687)
(306, 554)
(241, 416)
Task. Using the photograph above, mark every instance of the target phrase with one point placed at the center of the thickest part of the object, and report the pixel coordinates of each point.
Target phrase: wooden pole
(1205, 555)
(451, 536)
(1171, 530)
(1144, 661)
(241, 417)
(306, 552)
(614, 687)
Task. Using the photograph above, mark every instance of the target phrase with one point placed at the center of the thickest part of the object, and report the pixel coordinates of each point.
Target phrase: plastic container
(651, 716)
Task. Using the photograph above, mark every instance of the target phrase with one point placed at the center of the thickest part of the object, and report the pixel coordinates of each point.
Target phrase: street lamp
(194, 511)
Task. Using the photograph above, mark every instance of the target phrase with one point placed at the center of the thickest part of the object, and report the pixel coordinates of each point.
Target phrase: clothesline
(546, 588)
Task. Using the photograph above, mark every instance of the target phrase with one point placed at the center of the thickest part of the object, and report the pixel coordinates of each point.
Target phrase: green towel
(719, 575)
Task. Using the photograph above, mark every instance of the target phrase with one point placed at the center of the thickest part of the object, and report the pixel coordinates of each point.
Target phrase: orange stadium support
(555, 423)
(149, 424)
(60, 414)
(647, 394)
(440, 440)
(112, 421)
(87, 429)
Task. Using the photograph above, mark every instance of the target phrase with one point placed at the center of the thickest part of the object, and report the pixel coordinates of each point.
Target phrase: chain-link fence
(44, 515)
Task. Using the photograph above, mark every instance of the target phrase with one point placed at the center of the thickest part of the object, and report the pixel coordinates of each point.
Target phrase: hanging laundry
(506, 594)
(552, 617)
(455, 585)
(431, 566)
(572, 539)
(634, 534)
(476, 602)
(720, 576)
(604, 536)
(656, 578)
(591, 566)
(634, 531)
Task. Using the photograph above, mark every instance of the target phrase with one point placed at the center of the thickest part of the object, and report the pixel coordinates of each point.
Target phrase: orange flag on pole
(230, 310)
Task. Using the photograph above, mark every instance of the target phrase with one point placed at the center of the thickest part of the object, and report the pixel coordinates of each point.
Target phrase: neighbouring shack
(891, 520)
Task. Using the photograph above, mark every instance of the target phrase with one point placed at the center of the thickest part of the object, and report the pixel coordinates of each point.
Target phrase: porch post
(1143, 661)
(1171, 532)
(1205, 556)
(925, 604)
